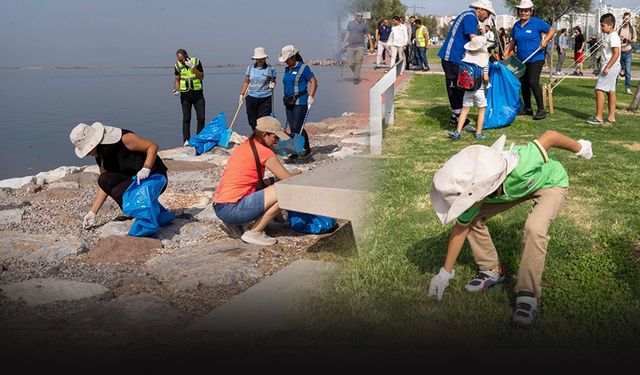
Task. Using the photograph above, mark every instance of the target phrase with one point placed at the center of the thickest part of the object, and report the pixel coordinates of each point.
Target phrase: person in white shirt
(490, 37)
(397, 40)
(611, 45)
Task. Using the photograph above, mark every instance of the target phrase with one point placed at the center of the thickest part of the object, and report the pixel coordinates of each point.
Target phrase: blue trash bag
(310, 224)
(141, 202)
(503, 97)
(209, 136)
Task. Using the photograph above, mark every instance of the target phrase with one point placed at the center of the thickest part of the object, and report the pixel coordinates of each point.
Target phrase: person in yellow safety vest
(189, 75)
(422, 41)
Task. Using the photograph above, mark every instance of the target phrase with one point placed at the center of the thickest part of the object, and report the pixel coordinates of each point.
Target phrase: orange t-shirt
(240, 177)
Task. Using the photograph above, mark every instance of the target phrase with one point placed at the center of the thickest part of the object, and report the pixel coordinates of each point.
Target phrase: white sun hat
(477, 51)
(525, 4)
(86, 137)
(259, 53)
(287, 52)
(469, 177)
(483, 4)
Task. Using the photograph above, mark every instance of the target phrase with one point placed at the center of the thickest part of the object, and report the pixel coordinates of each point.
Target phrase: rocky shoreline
(57, 277)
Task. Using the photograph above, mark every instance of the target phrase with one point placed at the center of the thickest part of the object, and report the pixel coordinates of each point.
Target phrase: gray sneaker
(259, 238)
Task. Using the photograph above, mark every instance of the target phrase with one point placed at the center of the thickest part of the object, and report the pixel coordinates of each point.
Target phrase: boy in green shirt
(480, 182)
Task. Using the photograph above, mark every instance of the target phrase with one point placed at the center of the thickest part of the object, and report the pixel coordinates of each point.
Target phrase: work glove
(585, 151)
(272, 85)
(240, 100)
(310, 101)
(89, 220)
(142, 174)
(176, 92)
(189, 64)
(440, 282)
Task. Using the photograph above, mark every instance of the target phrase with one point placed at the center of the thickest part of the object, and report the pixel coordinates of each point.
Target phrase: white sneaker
(628, 91)
(259, 238)
(186, 144)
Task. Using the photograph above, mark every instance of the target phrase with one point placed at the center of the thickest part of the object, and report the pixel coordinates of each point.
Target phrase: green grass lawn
(591, 283)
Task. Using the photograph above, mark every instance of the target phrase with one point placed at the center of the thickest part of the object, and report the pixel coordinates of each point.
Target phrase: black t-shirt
(593, 45)
(578, 43)
(118, 158)
(199, 67)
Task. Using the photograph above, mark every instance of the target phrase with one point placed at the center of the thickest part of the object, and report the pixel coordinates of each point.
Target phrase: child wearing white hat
(478, 183)
(476, 58)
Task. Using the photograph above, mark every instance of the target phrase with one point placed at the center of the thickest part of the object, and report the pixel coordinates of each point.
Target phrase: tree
(431, 24)
(554, 9)
(379, 9)
(444, 30)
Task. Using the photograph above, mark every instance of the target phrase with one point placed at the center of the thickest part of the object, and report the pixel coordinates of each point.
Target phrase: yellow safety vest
(421, 41)
(188, 79)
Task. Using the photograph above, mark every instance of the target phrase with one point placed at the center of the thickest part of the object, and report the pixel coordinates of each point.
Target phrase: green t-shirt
(535, 171)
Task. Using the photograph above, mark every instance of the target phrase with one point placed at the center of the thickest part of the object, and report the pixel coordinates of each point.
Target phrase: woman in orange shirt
(244, 201)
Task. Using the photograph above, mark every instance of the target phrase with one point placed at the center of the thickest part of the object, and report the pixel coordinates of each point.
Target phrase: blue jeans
(625, 61)
(244, 211)
(295, 118)
(422, 57)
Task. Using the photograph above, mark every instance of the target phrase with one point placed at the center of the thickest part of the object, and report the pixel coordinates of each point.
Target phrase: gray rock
(52, 194)
(83, 179)
(195, 230)
(56, 174)
(12, 216)
(18, 182)
(6, 192)
(115, 228)
(226, 264)
(64, 185)
(35, 248)
(43, 291)
(119, 249)
(208, 215)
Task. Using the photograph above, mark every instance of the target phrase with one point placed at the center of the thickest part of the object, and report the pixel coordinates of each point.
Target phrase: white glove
(142, 174)
(440, 282)
(240, 100)
(89, 220)
(272, 85)
(176, 92)
(189, 64)
(585, 151)
(310, 100)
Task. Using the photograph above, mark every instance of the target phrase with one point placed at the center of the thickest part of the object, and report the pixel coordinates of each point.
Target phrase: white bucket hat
(483, 4)
(287, 52)
(271, 125)
(525, 4)
(86, 137)
(259, 53)
(477, 51)
(468, 177)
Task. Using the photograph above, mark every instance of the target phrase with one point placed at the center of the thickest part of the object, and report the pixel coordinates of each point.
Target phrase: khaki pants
(546, 206)
(355, 55)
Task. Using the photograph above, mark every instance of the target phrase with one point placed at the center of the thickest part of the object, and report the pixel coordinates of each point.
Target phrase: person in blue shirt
(527, 39)
(257, 89)
(300, 85)
(463, 28)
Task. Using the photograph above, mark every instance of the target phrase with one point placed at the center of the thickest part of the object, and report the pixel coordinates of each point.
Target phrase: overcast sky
(452, 7)
(148, 32)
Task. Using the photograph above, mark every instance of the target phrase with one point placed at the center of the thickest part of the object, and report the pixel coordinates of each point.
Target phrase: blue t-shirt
(465, 24)
(289, 78)
(528, 38)
(259, 79)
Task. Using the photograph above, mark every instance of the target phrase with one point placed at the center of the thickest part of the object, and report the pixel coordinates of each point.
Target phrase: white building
(505, 20)
(590, 22)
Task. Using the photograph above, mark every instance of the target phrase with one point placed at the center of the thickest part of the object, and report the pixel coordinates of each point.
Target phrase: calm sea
(38, 108)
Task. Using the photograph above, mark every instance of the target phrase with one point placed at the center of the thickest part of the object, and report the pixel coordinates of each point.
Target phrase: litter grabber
(295, 145)
(516, 66)
(226, 135)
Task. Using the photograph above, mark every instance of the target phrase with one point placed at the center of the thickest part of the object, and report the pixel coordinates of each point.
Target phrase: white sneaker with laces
(258, 238)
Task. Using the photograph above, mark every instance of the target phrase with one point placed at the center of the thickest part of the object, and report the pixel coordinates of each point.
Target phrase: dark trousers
(451, 77)
(421, 53)
(256, 108)
(115, 184)
(295, 118)
(408, 54)
(530, 81)
(187, 99)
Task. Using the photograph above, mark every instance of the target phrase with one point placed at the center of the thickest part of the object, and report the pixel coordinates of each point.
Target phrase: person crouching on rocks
(120, 154)
(244, 200)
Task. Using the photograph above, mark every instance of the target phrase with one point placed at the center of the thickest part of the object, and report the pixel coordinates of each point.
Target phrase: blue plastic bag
(503, 97)
(209, 136)
(141, 202)
(310, 224)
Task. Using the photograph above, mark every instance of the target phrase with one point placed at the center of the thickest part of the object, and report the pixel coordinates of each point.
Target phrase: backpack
(469, 76)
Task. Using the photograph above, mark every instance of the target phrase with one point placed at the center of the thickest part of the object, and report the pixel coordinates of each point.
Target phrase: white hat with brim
(483, 4)
(477, 51)
(525, 4)
(86, 137)
(287, 52)
(259, 53)
(469, 177)
(271, 125)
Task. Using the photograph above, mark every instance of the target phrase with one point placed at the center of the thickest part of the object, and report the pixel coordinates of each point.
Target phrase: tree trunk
(636, 100)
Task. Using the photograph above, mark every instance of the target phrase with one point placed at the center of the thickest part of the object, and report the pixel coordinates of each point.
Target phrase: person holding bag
(244, 200)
